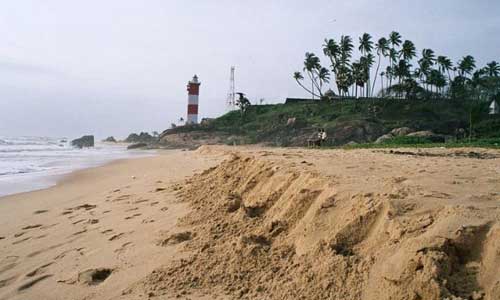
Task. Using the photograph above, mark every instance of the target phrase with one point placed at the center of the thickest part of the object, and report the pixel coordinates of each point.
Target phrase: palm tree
(429, 56)
(367, 63)
(402, 71)
(382, 47)
(366, 47)
(346, 47)
(395, 41)
(466, 65)
(492, 69)
(298, 77)
(344, 74)
(408, 51)
(393, 57)
(311, 65)
(331, 49)
(323, 77)
(445, 65)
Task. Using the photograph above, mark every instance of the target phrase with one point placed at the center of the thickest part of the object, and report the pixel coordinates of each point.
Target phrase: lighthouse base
(192, 119)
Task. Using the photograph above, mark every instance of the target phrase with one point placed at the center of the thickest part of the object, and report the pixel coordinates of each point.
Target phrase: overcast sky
(73, 67)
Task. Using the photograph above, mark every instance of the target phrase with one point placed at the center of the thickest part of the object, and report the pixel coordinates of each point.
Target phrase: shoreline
(105, 217)
(37, 181)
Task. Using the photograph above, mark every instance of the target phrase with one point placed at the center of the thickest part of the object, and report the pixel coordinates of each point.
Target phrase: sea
(33, 163)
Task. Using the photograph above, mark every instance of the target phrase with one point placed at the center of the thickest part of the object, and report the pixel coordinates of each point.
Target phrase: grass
(268, 123)
(478, 143)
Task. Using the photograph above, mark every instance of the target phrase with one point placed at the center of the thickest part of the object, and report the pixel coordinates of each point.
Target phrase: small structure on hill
(193, 89)
(494, 108)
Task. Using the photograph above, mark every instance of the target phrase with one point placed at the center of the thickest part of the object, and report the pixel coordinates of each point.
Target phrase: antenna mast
(231, 94)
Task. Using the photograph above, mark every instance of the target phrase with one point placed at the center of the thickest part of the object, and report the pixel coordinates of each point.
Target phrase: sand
(258, 223)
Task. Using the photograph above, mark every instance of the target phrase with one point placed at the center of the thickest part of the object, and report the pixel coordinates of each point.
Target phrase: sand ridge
(263, 226)
(261, 223)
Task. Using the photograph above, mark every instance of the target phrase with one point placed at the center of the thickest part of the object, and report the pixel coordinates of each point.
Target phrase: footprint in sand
(21, 241)
(39, 270)
(41, 211)
(8, 263)
(32, 226)
(107, 231)
(132, 216)
(141, 201)
(132, 209)
(31, 283)
(119, 236)
(19, 234)
(121, 198)
(79, 232)
(8, 281)
(154, 203)
(123, 247)
(116, 237)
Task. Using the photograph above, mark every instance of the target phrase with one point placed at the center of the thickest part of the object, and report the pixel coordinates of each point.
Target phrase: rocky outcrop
(110, 139)
(402, 131)
(137, 146)
(85, 141)
(429, 135)
(143, 137)
(359, 131)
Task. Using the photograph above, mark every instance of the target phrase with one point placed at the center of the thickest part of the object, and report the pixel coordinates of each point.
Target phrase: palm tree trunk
(376, 73)
(306, 89)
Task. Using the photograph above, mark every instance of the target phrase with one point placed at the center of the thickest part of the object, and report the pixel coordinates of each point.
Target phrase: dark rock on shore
(85, 141)
(110, 139)
(137, 146)
(143, 137)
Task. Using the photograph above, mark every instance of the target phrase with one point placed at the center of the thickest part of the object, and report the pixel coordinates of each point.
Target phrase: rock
(351, 143)
(83, 142)
(401, 131)
(110, 139)
(143, 137)
(429, 135)
(384, 138)
(425, 133)
(137, 146)
(359, 131)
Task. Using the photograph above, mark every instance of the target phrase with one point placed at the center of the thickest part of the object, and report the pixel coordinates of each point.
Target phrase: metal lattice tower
(231, 96)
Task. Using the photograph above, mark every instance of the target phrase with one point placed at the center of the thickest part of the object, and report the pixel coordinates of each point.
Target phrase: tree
(298, 78)
(332, 50)
(311, 64)
(466, 65)
(445, 65)
(382, 47)
(394, 41)
(492, 69)
(366, 47)
(408, 51)
(243, 103)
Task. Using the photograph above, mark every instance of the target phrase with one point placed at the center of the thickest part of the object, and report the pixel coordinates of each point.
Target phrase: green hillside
(360, 121)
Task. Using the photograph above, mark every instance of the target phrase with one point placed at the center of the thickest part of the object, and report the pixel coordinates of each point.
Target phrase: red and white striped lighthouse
(193, 93)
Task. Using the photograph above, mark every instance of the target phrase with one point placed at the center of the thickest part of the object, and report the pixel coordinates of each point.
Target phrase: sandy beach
(261, 223)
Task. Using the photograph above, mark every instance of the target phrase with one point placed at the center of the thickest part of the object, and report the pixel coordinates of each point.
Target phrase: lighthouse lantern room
(193, 93)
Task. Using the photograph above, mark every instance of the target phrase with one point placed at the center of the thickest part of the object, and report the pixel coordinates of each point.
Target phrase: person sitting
(323, 137)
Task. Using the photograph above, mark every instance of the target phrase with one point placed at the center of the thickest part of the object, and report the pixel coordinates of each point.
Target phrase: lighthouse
(193, 89)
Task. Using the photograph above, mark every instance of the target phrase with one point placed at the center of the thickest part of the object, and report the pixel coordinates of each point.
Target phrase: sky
(69, 68)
